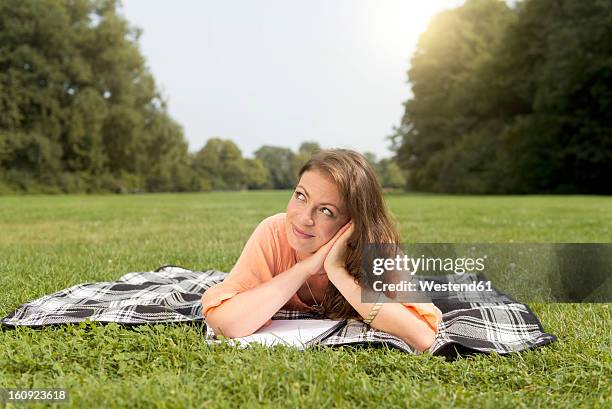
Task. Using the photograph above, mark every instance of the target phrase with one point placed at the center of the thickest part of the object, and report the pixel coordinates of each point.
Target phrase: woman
(309, 258)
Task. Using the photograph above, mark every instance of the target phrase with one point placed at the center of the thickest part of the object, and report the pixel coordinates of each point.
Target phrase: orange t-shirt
(268, 253)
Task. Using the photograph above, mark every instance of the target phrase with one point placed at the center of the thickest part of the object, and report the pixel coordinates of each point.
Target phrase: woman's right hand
(315, 261)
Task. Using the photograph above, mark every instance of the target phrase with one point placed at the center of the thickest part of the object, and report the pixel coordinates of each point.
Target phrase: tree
(560, 140)
(511, 100)
(309, 148)
(371, 157)
(391, 175)
(257, 175)
(170, 168)
(305, 151)
(279, 163)
(80, 110)
(221, 162)
(452, 92)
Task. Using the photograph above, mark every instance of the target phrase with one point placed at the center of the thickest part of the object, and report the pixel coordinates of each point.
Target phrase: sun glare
(395, 25)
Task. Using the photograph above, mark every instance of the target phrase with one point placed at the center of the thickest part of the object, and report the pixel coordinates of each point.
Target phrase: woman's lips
(301, 234)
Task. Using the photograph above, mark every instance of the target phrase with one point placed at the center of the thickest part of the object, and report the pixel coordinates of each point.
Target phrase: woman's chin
(299, 247)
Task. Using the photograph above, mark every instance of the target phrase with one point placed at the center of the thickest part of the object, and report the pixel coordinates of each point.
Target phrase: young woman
(309, 258)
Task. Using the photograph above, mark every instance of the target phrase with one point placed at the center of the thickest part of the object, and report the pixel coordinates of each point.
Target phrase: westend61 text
(431, 286)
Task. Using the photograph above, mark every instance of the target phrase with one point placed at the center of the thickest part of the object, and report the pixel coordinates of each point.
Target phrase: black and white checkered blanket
(172, 294)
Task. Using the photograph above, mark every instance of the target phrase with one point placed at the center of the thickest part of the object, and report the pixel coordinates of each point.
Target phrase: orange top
(268, 253)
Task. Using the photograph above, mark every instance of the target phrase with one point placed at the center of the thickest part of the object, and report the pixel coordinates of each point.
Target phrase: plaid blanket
(172, 294)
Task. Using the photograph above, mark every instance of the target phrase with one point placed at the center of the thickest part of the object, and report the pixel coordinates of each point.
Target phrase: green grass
(48, 243)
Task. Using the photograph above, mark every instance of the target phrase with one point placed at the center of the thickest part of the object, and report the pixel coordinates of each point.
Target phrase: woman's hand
(317, 260)
(336, 257)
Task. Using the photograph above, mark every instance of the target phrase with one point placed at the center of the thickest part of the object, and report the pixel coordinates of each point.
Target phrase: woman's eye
(327, 212)
(299, 195)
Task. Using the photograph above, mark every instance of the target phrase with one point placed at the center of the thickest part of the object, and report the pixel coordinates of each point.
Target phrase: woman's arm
(246, 312)
(393, 318)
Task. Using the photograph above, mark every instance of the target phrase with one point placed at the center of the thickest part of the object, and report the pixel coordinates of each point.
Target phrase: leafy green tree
(221, 162)
(511, 100)
(257, 175)
(171, 170)
(80, 110)
(387, 171)
(279, 162)
(371, 157)
(452, 93)
(304, 153)
(559, 70)
(391, 175)
(309, 148)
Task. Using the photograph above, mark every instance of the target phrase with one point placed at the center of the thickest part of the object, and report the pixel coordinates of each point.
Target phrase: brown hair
(362, 196)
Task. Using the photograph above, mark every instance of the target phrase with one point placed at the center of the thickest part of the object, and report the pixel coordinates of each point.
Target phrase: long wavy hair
(363, 198)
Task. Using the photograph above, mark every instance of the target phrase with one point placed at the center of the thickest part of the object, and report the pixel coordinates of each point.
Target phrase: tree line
(80, 112)
(222, 166)
(511, 100)
(504, 100)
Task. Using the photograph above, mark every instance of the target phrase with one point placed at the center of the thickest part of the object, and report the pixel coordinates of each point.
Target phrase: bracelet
(373, 313)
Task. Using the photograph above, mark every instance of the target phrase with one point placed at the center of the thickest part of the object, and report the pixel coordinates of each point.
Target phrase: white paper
(295, 333)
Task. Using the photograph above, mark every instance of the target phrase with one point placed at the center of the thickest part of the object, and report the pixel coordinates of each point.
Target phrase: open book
(296, 333)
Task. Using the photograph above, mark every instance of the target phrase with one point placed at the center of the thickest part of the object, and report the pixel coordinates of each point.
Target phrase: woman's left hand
(336, 257)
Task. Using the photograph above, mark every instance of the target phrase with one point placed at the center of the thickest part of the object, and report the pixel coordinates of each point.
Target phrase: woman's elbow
(423, 341)
(216, 324)
(222, 327)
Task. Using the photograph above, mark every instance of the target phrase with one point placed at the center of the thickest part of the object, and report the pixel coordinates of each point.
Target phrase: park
(151, 140)
(53, 242)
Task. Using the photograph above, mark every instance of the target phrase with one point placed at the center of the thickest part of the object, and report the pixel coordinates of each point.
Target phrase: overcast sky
(280, 72)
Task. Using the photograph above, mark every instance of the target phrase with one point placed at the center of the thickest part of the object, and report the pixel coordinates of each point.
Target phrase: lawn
(52, 242)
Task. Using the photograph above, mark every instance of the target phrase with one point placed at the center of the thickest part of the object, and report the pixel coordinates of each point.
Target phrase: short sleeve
(254, 266)
(428, 311)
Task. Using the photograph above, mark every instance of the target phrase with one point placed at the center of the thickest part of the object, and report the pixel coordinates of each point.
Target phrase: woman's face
(315, 212)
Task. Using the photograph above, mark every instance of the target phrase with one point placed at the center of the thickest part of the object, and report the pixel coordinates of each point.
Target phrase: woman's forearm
(246, 312)
(393, 318)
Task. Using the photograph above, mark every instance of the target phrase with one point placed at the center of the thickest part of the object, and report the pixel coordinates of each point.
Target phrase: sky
(282, 72)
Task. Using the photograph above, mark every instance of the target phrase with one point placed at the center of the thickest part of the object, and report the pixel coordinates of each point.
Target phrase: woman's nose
(306, 218)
